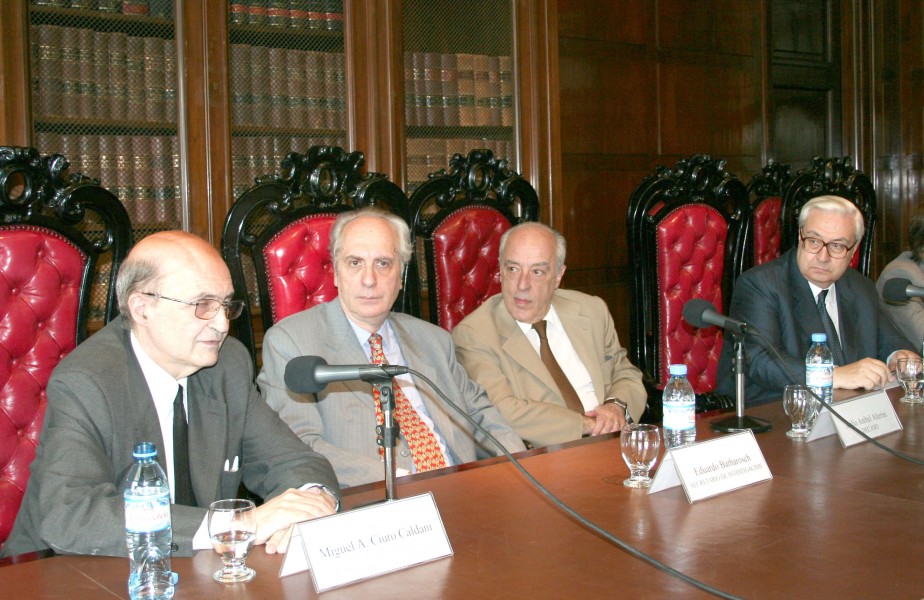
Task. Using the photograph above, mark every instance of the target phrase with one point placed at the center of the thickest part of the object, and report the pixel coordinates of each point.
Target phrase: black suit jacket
(776, 300)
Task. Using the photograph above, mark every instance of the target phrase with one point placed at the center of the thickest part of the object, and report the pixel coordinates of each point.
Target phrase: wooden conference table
(832, 523)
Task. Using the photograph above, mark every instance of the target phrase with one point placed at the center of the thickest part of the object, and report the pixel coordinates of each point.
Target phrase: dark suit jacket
(776, 299)
(339, 421)
(99, 406)
(492, 347)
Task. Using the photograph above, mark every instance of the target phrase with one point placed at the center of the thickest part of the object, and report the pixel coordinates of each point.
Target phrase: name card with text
(873, 414)
(367, 542)
(713, 467)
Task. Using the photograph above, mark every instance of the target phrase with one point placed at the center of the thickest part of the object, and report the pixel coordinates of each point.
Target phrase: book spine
(241, 90)
(506, 90)
(154, 79)
(482, 91)
(277, 87)
(449, 75)
(170, 82)
(466, 80)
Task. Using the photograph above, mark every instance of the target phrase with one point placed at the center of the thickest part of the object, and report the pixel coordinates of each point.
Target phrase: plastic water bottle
(819, 367)
(148, 531)
(679, 405)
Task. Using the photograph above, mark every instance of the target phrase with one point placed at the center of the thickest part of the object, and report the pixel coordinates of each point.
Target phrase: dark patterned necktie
(834, 341)
(565, 388)
(183, 492)
(425, 449)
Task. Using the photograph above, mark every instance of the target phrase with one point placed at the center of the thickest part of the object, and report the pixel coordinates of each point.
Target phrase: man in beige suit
(501, 348)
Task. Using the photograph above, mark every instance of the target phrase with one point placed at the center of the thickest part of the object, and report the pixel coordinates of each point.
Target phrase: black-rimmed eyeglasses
(814, 245)
(207, 308)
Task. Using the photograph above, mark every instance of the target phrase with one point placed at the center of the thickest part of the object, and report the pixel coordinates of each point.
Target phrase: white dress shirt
(566, 355)
(830, 303)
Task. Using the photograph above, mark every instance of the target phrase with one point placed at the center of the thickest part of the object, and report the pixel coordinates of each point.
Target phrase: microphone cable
(756, 332)
(574, 514)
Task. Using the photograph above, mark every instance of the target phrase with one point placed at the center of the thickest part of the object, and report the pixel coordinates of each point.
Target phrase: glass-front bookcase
(459, 82)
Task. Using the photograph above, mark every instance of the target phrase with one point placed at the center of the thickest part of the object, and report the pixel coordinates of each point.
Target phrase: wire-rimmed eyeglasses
(814, 245)
(207, 308)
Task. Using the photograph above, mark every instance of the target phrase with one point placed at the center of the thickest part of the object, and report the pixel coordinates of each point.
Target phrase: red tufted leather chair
(835, 176)
(458, 218)
(687, 231)
(47, 269)
(766, 190)
(276, 235)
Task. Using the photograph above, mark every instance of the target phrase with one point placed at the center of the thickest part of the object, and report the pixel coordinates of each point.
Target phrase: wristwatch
(625, 407)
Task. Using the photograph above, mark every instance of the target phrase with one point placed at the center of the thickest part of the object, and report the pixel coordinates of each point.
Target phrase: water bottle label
(819, 375)
(680, 416)
(144, 514)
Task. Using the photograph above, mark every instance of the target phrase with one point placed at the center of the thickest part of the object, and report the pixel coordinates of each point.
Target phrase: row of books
(458, 89)
(320, 15)
(284, 88)
(81, 73)
(153, 8)
(429, 155)
(142, 170)
(253, 157)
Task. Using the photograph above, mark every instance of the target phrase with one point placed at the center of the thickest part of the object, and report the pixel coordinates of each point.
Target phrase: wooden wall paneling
(537, 110)
(206, 98)
(15, 82)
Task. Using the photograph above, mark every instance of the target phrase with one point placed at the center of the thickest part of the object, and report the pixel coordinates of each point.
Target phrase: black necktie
(833, 341)
(183, 492)
(570, 396)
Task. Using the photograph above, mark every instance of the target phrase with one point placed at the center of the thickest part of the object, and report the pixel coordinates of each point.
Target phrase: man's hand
(275, 517)
(607, 419)
(866, 373)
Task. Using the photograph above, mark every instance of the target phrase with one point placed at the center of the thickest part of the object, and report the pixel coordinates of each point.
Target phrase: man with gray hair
(370, 249)
(165, 372)
(812, 289)
(549, 358)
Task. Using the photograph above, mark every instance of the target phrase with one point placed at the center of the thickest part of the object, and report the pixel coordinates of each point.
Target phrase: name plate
(873, 414)
(367, 542)
(713, 467)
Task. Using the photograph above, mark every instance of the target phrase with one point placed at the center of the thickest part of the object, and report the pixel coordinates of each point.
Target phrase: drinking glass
(910, 373)
(640, 444)
(801, 408)
(233, 527)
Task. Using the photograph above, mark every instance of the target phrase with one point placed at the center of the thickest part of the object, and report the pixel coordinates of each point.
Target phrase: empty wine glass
(910, 372)
(801, 408)
(233, 527)
(640, 444)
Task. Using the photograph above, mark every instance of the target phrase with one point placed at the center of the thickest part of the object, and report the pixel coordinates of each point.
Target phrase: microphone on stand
(901, 290)
(701, 313)
(311, 374)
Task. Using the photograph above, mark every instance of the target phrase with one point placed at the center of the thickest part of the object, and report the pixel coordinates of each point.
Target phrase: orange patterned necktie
(425, 450)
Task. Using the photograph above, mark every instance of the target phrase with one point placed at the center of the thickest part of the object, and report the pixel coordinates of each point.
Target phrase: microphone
(701, 313)
(311, 374)
(901, 290)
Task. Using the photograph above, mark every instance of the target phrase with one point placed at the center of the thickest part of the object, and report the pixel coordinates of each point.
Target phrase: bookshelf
(459, 83)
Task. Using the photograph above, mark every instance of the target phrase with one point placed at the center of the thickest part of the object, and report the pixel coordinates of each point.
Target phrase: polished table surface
(832, 523)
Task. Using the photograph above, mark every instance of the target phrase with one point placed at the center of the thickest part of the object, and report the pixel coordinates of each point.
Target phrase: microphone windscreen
(299, 375)
(896, 290)
(694, 309)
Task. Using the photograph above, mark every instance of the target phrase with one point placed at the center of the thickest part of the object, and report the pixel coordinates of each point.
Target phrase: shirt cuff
(201, 540)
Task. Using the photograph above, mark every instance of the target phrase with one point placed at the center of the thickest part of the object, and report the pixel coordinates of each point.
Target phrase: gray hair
(134, 274)
(837, 205)
(402, 231)
(561, 247)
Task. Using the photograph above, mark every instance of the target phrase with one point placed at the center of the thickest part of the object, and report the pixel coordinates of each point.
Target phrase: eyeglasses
(207, 308)
(835, 249)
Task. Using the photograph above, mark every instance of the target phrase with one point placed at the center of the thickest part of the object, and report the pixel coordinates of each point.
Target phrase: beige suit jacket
(496, 354)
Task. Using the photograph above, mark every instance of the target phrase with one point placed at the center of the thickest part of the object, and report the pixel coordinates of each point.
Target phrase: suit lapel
(848, 317)
(517, 347)
(578, 328)
(805, 310)
(345, 347)
(208, 437)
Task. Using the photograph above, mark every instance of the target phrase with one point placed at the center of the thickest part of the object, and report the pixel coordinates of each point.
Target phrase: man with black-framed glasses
(812, 289)
(165, 372)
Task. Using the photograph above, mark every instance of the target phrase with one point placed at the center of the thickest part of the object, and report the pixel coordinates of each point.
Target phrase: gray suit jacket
(492, 347)
(776, 299)
(339, 422)
(908, 317)
(99, 406)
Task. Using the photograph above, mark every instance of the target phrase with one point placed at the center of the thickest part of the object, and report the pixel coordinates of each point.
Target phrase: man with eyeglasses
(812, 289)
(164, 372)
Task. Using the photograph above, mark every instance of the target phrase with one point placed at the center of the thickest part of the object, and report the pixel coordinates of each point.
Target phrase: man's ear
(561, 273)
(138, 305)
